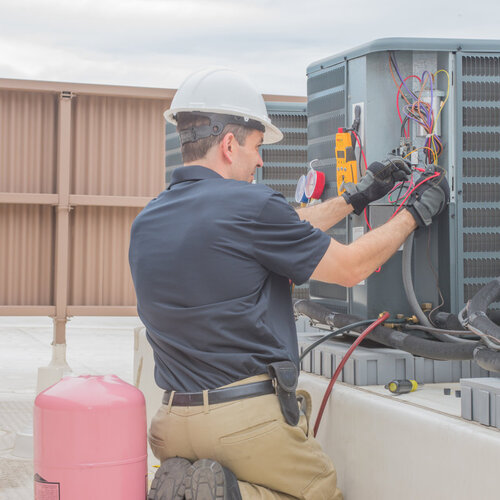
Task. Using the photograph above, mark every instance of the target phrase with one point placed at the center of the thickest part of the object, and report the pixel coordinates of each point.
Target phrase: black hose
(494, 316)
(450, 321)
(487, 359)
(476, 319)
(331, 335)
(386, 336)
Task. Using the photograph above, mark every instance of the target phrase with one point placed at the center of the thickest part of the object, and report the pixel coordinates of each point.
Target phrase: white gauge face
(301, 186)
(311, 180)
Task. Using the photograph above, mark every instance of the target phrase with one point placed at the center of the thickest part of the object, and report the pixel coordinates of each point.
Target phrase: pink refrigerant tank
(90, 440)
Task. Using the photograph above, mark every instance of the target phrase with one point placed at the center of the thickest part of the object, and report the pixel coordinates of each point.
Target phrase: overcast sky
(157, 43)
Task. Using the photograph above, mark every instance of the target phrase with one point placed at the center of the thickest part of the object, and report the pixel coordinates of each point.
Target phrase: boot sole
(205, 480)
(169, 480)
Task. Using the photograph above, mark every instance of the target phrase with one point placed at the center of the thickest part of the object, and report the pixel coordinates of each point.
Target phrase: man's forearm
(377, 246)
(347, 265)
(327, 214)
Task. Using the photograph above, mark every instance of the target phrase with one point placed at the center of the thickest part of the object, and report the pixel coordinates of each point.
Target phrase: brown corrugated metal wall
(99, 272)
(119, 146)
(26, 255)
(27, 142)
(77, 163)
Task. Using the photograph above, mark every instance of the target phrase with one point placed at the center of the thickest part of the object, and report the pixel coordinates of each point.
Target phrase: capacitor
(402, 386)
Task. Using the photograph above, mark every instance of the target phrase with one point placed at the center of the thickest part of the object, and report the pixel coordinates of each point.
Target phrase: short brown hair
(192, 151)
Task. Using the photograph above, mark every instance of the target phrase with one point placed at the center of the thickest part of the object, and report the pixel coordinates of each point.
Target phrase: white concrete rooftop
(96, 345)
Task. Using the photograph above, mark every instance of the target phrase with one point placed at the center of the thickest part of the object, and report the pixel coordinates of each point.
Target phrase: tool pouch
(285, 377)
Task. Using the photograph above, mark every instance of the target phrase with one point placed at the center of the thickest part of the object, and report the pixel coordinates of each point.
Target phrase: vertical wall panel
(27, 142)
(99, 271)
(26, 255)
(119, 146)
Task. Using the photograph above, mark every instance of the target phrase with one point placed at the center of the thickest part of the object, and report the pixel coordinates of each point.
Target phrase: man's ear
(227, 146)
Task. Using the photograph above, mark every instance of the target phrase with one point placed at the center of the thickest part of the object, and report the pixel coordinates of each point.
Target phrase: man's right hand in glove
(430, 198)
(379, 179)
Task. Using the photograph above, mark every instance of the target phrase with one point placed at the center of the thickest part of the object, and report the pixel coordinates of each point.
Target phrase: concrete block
(482, 400)
(366, 366)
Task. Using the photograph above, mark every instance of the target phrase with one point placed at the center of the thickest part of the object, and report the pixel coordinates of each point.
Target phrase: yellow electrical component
(347, 167)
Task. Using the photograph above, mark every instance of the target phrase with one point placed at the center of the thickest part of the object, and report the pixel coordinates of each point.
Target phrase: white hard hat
(225, 92)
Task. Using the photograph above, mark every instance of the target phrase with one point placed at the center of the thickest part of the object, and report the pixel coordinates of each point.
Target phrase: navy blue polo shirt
(211, 260)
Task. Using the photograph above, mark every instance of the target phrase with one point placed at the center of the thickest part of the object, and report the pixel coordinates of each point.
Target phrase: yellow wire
(447, 95)
(418, 149)
(434, 149)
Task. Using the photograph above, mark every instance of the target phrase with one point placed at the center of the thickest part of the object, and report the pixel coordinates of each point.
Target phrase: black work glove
(429, 199)
(376, 183)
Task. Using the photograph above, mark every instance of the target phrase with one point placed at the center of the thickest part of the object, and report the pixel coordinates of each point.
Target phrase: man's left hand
(379, 179)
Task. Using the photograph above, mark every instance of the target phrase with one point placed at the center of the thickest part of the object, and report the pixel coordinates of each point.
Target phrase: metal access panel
(460, 252)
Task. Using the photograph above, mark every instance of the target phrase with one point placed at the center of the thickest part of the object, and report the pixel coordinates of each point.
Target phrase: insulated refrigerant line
(412, 298)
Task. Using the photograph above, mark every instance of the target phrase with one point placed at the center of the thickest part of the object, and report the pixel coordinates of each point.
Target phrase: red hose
(342, 363)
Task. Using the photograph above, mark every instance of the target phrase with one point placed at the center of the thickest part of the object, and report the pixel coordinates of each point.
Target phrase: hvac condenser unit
(390, 82)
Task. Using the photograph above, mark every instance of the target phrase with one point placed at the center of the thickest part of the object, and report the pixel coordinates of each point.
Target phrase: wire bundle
(418, 107)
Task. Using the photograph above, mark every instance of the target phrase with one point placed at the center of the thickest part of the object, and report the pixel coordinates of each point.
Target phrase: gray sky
(157, 43)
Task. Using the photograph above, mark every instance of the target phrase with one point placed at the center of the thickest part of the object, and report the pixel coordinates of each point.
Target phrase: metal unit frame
(326, 112)
(367, 81)
(478, 175)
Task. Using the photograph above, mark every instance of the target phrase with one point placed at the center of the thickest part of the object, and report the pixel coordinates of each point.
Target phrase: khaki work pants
(271, 459)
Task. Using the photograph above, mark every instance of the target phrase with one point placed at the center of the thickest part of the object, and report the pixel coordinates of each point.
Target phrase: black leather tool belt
(222, 395)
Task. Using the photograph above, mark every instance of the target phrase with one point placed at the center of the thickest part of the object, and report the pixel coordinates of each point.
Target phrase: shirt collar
(193, 173)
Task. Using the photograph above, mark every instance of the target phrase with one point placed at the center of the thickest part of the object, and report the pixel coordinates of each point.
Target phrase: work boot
(207, 480)
(168, 483)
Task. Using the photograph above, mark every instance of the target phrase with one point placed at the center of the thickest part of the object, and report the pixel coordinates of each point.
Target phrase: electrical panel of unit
(284, 162)
(439, 98)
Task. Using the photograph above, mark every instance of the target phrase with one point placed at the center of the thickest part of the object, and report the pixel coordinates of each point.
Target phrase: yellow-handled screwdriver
(402, 386)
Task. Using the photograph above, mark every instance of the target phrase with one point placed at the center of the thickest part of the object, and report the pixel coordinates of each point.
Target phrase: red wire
(360, 148)
(394, 189)
(437, 174)
(366, 220)
(342, 363)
